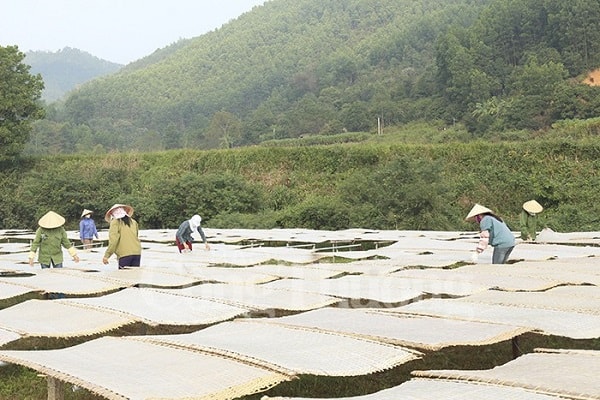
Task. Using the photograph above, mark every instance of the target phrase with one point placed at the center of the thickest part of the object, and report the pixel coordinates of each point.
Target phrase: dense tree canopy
(293, 68)
(19, 105)
(515, 61)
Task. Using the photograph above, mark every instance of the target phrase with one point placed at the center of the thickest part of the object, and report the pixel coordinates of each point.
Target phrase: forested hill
(296, 67)
(63, 70)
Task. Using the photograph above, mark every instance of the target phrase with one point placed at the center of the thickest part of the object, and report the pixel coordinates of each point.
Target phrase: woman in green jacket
(528, 219)
(123, 237)
(49, 239)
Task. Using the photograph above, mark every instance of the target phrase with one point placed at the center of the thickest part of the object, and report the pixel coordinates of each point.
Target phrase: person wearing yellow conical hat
(528, 219)
(493, 231)
(123, 240)
(87, 229)
(49, 239)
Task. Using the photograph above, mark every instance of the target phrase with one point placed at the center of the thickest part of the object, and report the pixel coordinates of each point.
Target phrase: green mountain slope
(274, 58)
(64, 70)
(292, 68)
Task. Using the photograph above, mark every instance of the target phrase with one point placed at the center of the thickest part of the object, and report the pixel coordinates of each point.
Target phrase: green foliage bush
(265, 220)
(313, 140)
(578, 129)
(318, 212)
(377, 184)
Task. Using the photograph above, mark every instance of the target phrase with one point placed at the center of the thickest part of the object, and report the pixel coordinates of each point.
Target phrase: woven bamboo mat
(319, 236)
(437, 389)
(426, 258)
(383, 288)
(581, 299)
(155, 307)
(146, 276)
(299, 350)
(14, 247)
(10, 264)
(395, 283)
(364, 267)
(123, 368)
(58, 280)
(407, 251)
(430, 286)
(547, 235)
(424, 248)
(257, 297)
(571, 324)
(573, 374)
(486, 279)
(7, 336)
(308, 272)
(229, 274)
(575, 272)
(9, 289)
(378, 289)
(577, 291)
(258, 255)
(56, 319)
(423, 333)
(544, 252)
(242, 256)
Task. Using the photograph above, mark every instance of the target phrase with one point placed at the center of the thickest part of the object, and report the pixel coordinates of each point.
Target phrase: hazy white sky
(120, 31)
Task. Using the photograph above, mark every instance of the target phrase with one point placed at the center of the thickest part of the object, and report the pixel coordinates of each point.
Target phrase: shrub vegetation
(385, 181)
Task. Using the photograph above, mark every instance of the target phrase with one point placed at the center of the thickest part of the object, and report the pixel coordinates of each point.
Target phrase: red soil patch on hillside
(593, 78)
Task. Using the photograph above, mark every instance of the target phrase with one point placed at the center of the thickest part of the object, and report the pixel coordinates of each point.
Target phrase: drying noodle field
(299, 314)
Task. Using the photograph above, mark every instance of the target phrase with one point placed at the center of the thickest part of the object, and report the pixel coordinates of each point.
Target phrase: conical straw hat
(51, 220)
(533, 207)
(128, 209)
(86, 212)
(476, 210)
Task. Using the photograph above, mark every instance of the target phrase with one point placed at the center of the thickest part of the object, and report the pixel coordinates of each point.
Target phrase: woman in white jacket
(183, 237)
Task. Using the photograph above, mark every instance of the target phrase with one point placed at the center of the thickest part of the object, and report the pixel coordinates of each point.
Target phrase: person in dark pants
(493, 231)
(87, 229)
(183, 237)
(123, 237)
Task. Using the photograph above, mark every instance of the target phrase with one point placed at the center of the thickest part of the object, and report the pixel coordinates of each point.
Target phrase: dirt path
(593, 78)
